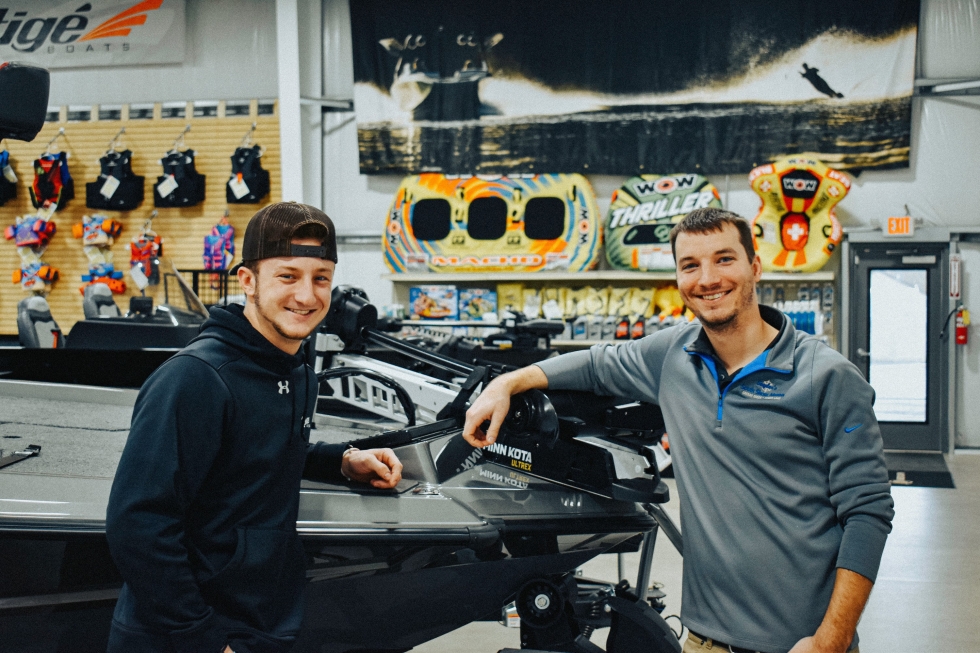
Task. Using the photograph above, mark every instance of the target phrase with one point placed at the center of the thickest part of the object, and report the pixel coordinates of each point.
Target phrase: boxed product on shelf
(434, 302)
(531, 304)
(510, 297)
(474, 303)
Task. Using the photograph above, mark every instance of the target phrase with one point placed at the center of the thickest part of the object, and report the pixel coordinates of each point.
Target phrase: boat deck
(82, 438)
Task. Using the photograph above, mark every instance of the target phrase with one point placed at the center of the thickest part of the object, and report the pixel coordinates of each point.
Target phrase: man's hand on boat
(486, 415)
(378, 467)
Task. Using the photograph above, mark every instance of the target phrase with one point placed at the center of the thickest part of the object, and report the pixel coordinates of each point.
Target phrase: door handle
(863, 354)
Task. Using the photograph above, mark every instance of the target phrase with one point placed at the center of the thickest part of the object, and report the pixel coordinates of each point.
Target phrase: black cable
(406, 401)
(676, 634)
(942, 334)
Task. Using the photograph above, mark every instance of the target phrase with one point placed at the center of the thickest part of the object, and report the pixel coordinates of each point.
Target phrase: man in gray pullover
(785, 501)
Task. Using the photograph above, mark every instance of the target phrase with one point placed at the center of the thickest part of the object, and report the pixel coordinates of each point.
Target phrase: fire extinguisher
(962, 322)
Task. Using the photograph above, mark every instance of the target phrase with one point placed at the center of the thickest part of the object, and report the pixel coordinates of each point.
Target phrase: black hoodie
(201, 520)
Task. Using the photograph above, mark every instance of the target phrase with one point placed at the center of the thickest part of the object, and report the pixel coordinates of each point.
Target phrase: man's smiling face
(288, 296)
(715, 277)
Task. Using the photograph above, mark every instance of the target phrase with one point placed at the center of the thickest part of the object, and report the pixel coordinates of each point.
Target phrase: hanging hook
(115, 140)
(61, 132)
(247, 138)
(148, 225)
(179, 141)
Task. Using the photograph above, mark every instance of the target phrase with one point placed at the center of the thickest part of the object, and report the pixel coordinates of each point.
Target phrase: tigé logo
(26, 33)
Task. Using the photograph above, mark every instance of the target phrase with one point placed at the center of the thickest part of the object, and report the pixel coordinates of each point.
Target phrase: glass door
(899, 300)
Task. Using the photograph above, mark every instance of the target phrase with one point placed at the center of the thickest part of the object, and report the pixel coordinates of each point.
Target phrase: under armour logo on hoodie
(284, 387)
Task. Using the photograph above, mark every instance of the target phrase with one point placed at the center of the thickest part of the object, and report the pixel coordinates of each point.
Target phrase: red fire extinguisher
(962, 322)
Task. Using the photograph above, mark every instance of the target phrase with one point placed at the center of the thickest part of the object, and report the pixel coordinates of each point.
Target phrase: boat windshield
(180, 295)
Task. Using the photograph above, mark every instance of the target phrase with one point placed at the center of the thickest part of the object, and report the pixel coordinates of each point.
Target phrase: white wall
(230, 54)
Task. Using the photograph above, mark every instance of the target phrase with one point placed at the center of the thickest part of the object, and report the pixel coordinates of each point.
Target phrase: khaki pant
(694, 645)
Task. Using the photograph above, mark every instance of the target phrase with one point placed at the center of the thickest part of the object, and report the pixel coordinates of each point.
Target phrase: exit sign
(900, 226)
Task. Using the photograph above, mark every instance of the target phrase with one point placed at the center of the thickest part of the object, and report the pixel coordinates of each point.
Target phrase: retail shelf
(571, 344)
(580, 277)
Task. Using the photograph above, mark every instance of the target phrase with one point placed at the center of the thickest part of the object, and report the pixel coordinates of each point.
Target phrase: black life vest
(190, 183)
(53, 184)
(127, 196)
(246, 168)
(8, 189)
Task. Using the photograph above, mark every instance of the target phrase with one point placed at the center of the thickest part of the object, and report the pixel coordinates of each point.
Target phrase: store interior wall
(939, 185)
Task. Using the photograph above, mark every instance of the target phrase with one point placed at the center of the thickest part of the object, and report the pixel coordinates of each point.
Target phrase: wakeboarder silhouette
(810, 75)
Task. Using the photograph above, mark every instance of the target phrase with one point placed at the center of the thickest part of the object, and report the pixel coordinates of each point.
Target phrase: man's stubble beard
(275, 325)
(731, 321)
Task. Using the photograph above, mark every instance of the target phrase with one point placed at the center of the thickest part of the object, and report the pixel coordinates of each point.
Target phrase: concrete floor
(926, 599)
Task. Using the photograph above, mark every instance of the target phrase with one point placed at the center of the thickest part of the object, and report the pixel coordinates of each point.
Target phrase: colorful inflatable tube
(796, 229)
(642, 212)
(528, 223)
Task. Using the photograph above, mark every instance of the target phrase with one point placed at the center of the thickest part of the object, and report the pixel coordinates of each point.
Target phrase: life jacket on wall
(526, 223)
(246, 168)
(796, 229)
(97, 230)
(8, 180)
(642, 213)
(178, 167)
(36, 277)
(219, 247)
(53, 185)
(31, 231)
(98, 233)
(104, 273)
(116, 169)
(144, 251)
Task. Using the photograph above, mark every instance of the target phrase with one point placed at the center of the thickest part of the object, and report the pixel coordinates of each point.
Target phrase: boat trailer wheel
(540, 603)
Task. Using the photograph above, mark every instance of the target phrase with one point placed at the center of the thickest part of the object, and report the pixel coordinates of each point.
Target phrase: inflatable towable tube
(642, 213)
(526, 223)
(796, 229)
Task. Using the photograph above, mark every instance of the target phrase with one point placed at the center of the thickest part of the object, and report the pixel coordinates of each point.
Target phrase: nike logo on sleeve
(848, 429)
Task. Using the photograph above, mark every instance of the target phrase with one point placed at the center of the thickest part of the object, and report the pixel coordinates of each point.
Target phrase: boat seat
(36, 328)
(98, 302)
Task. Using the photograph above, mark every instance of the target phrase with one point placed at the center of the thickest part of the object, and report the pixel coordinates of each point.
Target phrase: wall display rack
(214, 134)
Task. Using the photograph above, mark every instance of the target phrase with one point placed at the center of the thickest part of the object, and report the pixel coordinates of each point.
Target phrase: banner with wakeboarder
(627, 88)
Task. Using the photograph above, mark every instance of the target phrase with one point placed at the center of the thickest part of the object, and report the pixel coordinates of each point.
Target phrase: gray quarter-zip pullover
(781, 474)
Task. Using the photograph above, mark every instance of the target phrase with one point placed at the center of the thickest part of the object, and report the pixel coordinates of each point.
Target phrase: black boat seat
(36, 328)
(98, 302)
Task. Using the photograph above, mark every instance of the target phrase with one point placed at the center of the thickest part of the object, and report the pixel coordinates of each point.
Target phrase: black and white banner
(623, 87)
(97, 33)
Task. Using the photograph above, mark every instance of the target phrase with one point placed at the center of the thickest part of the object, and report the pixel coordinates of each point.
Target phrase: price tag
(109, 187)
(8, 172)
(167, 186)
(238, 187)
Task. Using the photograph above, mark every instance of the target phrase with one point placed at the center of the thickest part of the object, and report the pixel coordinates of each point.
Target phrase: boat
(465, 533)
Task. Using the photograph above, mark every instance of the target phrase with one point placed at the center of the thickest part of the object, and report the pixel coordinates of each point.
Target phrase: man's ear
(247, 279)
(757, 267)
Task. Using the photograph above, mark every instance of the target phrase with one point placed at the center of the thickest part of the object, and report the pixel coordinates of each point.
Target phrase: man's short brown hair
(710, 220)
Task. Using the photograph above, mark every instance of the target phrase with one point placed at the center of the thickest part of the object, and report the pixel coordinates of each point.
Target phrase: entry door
(899, 300)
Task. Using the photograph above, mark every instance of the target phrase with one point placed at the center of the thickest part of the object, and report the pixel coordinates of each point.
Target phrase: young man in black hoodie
(201, 520)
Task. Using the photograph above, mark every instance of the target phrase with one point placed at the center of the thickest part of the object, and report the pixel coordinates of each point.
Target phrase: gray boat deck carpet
(80, 439)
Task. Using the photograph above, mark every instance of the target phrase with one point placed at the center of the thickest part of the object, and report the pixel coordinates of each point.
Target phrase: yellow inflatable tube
(796, 229)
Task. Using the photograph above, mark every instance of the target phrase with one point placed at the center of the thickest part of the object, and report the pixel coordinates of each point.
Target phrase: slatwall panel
(213, 139)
